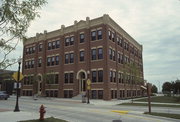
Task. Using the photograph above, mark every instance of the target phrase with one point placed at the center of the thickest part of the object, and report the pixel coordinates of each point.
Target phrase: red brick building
(58, 63)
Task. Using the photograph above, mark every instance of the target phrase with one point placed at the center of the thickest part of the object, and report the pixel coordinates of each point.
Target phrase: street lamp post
(88, 88)
(17, 88)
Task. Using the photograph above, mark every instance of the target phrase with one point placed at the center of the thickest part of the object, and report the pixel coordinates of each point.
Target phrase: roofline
(105, 19)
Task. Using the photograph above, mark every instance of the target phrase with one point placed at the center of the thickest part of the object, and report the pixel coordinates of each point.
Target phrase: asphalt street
(75, 111)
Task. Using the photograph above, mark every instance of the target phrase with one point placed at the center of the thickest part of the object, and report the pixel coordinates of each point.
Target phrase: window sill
(97, 60)
(96, 40)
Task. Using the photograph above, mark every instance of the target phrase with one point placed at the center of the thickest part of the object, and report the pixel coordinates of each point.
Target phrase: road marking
(141, 117)
(119, 111)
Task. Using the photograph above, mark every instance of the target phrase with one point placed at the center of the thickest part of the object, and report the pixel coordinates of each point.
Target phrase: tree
(15, 18)
(154, 89)
(167, 87)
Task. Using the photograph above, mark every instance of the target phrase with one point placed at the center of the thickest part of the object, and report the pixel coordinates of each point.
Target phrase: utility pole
(149, 97)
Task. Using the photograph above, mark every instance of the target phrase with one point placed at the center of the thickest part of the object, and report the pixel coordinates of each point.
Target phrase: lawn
(175, 116)
(153, 105)
(51, 119)
(161, 99)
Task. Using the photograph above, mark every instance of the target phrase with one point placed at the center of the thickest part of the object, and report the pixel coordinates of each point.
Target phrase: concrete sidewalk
(11, 116)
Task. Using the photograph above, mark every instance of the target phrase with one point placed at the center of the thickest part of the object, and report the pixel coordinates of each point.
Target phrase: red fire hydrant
(42, 111)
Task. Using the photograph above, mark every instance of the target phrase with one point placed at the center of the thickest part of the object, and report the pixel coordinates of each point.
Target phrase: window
(110, 54)
(71, 58)
(93, 54)
(68, 93)
(72, 40)
(30, 50)
(40, 47)
(52, 61)
(29, 64)
(113, 55)
(49, 46)
(32, 64)
(100, 53)
(53, 45)
(27, 50)
(111, 76)
(119, 60)
(65, 93)
(114, 76)
(39, 62)
(57, 60)
(99, 34)
(71, 77)
(56, 78)
(66, 78)
(26, 65)
(100, 94)
(100, 76)
(81, 56)
(93, 35)
(57, 43)
(112, 34)
(109, 34)
(33, 49)
(118, 41)
(94, 76)
(67, 41)
(48, 61)
(94, 94)
(66, 58)
(82, 38)
(127, 47)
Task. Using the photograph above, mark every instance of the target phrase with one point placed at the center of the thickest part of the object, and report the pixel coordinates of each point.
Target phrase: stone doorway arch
(82, 77)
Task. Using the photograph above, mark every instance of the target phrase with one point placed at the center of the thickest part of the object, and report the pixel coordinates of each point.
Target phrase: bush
(177, 99)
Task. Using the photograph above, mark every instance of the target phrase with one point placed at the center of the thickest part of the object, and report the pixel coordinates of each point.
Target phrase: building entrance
(82, 82)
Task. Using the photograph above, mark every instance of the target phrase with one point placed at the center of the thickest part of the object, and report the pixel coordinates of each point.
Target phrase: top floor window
(113, 37)
(49, 46)
(40, 47)
(109, 34)
(53, 45)
(99, 34)
(72, 40)
(57, 43)
(67, 41)
(82, 38)
(27, 50)
(93, 35)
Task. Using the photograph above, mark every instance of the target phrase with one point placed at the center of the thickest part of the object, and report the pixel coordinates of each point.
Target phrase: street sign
(15, 76)
(88, 82)
(88, 87)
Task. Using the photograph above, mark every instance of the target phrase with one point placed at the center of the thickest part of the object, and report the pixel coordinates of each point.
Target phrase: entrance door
(82, 82)
(83, 85)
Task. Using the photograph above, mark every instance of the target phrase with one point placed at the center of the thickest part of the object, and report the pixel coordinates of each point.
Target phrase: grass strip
(174, 116)
(51, 119)
(160, 99)
(153, 105)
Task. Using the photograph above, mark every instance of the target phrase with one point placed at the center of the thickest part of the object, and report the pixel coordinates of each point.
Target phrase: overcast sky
(153, 23)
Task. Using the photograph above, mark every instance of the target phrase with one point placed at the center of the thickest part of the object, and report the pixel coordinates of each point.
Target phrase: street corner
(120, 111)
